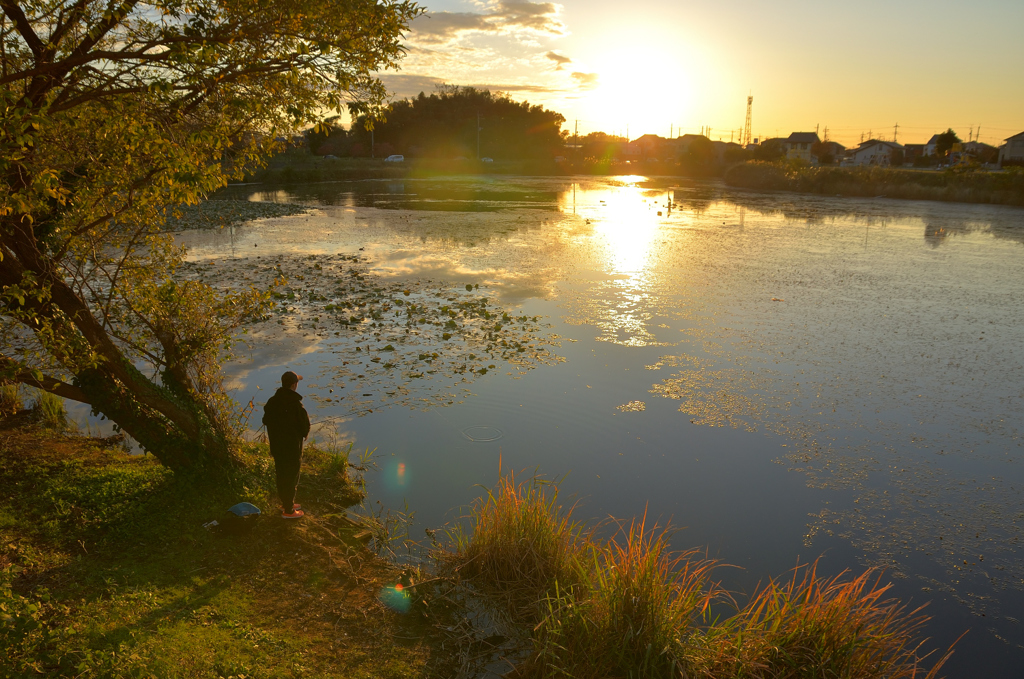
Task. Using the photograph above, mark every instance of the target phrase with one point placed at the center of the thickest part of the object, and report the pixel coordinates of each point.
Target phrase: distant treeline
(449, 124)
(965, 186)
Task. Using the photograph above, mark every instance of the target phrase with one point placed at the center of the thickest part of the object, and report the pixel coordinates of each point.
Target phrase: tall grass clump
(49, 409)
(632, 616)
(521, 544)
(630, 607)
(812, 626)
(10, 399)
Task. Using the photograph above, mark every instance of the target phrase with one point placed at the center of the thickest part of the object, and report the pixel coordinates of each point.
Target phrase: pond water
(786, 377)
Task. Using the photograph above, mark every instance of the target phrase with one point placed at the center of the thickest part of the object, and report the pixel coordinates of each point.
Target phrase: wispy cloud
(404, 86)
(503, 17)
(585, 81)
(559, 60)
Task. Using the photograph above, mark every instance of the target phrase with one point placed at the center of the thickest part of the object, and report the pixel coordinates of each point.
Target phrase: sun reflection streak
(625, 221)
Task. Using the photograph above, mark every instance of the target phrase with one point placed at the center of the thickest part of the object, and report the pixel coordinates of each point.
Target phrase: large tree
(114, 112)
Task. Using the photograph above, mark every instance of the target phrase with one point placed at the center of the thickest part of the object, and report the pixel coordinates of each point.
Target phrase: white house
(875, 152)
(1013, 150)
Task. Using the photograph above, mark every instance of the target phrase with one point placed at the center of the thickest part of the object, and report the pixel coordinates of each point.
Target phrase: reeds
(817, 627)
(630, 607)
(631, 617)
(523, 543)
(50, 410)
(10, 399)
(953, 185)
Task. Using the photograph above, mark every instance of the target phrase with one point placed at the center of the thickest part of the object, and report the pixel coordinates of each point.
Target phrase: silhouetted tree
(444, 124)
(328, 137)
(945, 142)
(770, 150)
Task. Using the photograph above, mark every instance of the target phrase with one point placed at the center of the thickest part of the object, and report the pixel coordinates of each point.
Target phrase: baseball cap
(290, 378)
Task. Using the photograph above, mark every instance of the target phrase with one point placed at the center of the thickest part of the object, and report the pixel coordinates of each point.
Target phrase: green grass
(106, 570)
(630, 607)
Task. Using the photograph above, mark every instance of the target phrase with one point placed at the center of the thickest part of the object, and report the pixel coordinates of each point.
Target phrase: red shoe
(294, 514)
(295, 505)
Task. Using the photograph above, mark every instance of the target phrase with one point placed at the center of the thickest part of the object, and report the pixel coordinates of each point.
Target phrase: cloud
(558, 59)
(504, 17)
(404, 86)
(585, 81)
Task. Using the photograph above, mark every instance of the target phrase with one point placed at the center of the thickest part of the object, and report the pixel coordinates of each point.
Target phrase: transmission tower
(745, 139)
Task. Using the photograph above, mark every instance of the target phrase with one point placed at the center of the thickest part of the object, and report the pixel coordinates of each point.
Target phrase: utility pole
(478, 135)
(671, 130)
(826, 134)
(371, 144)
(895, 130)
(576, 137)
(816, 126)
(977, 133)
(745, 138)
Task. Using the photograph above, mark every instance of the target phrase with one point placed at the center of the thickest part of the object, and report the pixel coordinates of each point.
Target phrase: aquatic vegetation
(388, 339)
(213, 214)
(628, 606)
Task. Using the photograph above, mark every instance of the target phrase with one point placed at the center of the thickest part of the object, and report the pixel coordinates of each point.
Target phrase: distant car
(395, 159)
(487, 160)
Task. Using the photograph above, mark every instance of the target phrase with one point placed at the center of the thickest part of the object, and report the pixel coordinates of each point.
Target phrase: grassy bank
(106, 570)
(629, 607)
(971, 186)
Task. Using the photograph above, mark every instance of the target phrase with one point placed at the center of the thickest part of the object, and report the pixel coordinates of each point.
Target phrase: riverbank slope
(106, 570)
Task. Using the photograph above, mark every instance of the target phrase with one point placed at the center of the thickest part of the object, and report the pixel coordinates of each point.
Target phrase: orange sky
(658, 65)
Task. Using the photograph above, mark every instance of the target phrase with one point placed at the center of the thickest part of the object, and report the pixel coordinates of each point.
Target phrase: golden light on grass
(629, 606)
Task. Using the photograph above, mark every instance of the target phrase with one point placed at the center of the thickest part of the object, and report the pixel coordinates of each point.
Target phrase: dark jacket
(287, 421)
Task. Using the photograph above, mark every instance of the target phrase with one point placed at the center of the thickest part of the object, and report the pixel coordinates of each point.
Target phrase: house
(979, 152)
(876, 152)
(912, 152)
(798, 146)
(684, 142)
(724, 149)
(931, 148)
(652, 146)
(1012, 152)
(831, 149)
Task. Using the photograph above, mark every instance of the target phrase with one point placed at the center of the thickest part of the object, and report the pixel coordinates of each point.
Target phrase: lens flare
(396, 598)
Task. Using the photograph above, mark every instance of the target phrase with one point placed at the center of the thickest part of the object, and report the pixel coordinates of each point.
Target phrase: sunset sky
(651, 64)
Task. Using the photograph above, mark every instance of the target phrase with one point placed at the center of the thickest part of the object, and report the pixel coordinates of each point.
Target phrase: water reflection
(732, 330)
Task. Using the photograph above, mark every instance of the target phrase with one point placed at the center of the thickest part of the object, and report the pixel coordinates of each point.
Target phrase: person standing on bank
(287, 426)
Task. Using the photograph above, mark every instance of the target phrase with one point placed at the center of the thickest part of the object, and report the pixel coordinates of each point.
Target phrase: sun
(642, 87)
